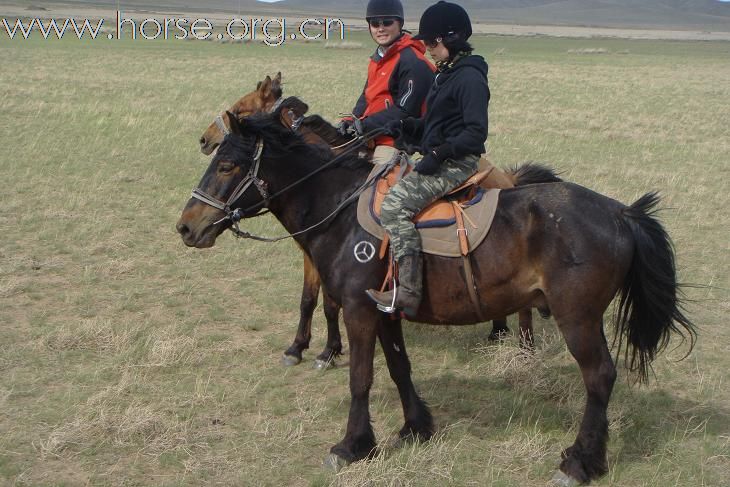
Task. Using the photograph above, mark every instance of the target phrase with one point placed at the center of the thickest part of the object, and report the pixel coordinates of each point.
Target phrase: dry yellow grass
(126, 358)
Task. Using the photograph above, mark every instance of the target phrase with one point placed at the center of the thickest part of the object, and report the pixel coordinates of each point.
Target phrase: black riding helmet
(442, 20)
(384, 8)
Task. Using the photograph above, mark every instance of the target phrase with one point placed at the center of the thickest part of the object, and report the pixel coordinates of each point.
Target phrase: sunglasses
(376, 23)
(432, 42)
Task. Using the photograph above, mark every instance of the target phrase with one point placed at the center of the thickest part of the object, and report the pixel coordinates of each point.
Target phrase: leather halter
(250, 178)
(221, 125)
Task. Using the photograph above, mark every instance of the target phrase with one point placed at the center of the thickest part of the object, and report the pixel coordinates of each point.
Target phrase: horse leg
(418, 420)
(499, 330)
(333, 348)
(361, 321)
(527, 340)
(310, 293)
(586, 458)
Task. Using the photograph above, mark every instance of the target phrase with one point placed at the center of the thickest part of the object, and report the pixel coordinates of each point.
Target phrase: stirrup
(389, 309)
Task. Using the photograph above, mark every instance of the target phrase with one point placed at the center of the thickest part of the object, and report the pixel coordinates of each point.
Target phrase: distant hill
(681, 14)
(659, 14)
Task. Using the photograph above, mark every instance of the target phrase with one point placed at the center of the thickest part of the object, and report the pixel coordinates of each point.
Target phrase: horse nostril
(202, 141)
(182, 229)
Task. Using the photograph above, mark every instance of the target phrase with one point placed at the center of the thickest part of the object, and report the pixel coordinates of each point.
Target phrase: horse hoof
(334, 462)
(561, 479)
(320, 364)
(393, 442)
(290, 361)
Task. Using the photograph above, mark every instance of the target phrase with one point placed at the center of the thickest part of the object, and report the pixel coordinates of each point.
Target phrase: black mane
(280, 142)
(324, 129)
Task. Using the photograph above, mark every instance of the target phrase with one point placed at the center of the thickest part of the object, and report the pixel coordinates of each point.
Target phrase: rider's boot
(406, 297)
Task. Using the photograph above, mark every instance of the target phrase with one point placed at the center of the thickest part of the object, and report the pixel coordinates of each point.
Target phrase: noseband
(250, 178)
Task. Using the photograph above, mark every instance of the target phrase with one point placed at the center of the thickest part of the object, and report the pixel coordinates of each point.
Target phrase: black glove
(394, 128)
(431, 162)
(411, 126)
(344, 128)
(428, 166)
(350, 127)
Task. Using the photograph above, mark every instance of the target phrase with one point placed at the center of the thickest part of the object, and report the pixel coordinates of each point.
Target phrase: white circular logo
(364, 252)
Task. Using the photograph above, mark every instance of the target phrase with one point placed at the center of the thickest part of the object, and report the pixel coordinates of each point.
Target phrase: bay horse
(266, 98)
(556, 246)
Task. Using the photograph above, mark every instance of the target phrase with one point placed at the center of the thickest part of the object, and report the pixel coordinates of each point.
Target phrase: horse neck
(311, 201)
(324, 130)
(312, 137)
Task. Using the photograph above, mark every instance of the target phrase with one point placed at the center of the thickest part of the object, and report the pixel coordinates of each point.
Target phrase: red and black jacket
(396, 87)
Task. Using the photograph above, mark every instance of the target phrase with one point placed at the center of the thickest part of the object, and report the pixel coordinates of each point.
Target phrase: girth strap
(466, 258)
(471, 286)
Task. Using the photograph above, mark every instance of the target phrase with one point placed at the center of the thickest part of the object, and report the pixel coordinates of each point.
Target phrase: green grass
(126, 358)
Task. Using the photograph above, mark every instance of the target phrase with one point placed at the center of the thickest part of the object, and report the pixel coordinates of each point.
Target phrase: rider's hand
(394, 128)
(350, 127)
(344, 127)
(431, 162)
(428, 166)
(411, 126)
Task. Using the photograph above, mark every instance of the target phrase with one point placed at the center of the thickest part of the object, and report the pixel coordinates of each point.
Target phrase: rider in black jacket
(451, 137)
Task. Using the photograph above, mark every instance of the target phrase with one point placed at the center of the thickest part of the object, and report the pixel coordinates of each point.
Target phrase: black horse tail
(533, 173)
(649, 306)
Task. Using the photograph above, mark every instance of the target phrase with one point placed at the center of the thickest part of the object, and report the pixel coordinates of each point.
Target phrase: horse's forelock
(235, 148)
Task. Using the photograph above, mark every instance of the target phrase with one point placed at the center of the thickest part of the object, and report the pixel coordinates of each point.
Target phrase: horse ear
(276, 85)
(295, 105)
(234, 123)
(291, 112)
(265, 88)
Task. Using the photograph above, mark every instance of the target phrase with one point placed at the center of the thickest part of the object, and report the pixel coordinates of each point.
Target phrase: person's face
(384, 30)
(437, 50)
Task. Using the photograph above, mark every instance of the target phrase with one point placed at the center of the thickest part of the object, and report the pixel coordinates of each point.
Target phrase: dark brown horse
(555, 246)
(316, 130)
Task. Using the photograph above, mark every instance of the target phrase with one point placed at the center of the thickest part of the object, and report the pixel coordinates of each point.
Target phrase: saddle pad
(441, 240)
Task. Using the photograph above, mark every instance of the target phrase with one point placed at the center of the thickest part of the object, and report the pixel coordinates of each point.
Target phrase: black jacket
(456, 109)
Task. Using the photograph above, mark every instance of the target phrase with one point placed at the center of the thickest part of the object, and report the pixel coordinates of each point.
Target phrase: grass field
(128, 359)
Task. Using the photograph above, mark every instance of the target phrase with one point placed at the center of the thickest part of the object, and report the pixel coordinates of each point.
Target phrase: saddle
(449, 227)
(442, 224)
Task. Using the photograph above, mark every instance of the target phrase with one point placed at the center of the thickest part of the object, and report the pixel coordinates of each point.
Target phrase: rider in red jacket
(399, 77)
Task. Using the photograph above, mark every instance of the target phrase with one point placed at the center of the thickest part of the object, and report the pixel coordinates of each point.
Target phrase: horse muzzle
(201, 240)
(208, 146)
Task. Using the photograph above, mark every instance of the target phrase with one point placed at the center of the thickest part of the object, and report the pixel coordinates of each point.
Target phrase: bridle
(252, 178)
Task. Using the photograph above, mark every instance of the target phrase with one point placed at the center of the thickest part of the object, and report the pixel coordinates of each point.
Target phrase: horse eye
(225, 166)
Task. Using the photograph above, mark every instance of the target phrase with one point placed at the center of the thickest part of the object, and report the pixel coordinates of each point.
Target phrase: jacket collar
(402, 42)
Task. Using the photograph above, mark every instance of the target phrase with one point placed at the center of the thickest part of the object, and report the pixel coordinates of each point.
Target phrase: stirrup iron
(390, 309)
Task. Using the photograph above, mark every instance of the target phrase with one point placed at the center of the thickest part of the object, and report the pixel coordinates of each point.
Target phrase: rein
(235, 215)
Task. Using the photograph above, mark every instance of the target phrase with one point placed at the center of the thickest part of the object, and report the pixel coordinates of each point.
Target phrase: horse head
(242, 175)
(262, 99)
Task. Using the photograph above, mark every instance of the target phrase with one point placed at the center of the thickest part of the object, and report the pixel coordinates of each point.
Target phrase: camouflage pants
(413, 193)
